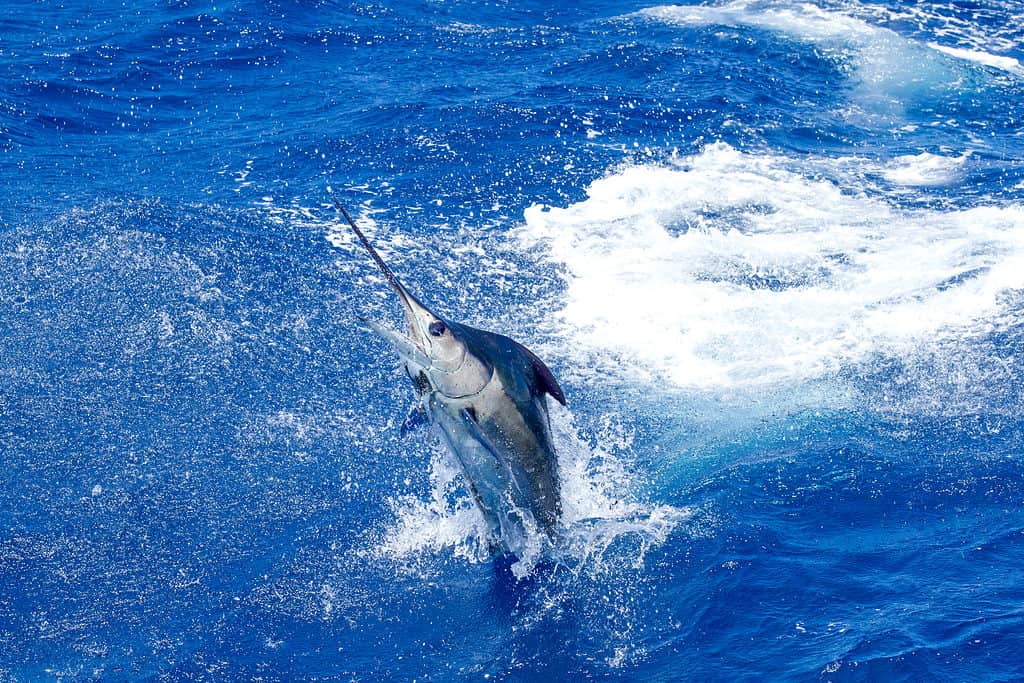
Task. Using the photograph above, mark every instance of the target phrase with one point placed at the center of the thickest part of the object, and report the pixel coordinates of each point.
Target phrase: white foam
(800, 20)
(919, 170)
(728, 269)
(981, 57)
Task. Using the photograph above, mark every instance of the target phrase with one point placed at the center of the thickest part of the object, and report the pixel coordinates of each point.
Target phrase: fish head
(435, 349)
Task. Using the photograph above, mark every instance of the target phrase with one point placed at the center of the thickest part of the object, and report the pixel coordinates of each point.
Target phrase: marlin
(485, 395)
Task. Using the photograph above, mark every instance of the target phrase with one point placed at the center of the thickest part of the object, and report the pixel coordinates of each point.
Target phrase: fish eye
(437, 328)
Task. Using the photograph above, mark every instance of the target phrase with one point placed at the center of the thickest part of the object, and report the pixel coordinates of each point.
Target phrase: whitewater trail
(726, 269)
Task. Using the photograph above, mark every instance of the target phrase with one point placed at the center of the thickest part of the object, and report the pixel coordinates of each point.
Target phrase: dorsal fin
(545, 380)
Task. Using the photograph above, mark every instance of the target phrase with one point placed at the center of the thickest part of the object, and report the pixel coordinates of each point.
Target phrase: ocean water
(773, 251)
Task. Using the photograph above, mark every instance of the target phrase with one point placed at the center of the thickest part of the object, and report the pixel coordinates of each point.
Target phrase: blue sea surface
(772, 250)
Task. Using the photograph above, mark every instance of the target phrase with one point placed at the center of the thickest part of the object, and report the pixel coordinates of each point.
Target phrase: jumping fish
(485, 395)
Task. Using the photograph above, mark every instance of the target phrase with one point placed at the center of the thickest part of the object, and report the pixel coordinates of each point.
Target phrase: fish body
(486, 396)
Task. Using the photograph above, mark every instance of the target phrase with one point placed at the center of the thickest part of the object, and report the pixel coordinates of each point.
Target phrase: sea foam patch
(1009, 64)
(800, 20)
(924, 169)
(887, 68)
(727, 269)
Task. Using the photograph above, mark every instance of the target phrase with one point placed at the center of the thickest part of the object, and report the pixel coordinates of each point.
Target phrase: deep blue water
(773, 251)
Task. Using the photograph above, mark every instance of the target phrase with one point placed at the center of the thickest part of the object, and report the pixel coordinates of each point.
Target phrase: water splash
(601, 499)
(726, 270)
